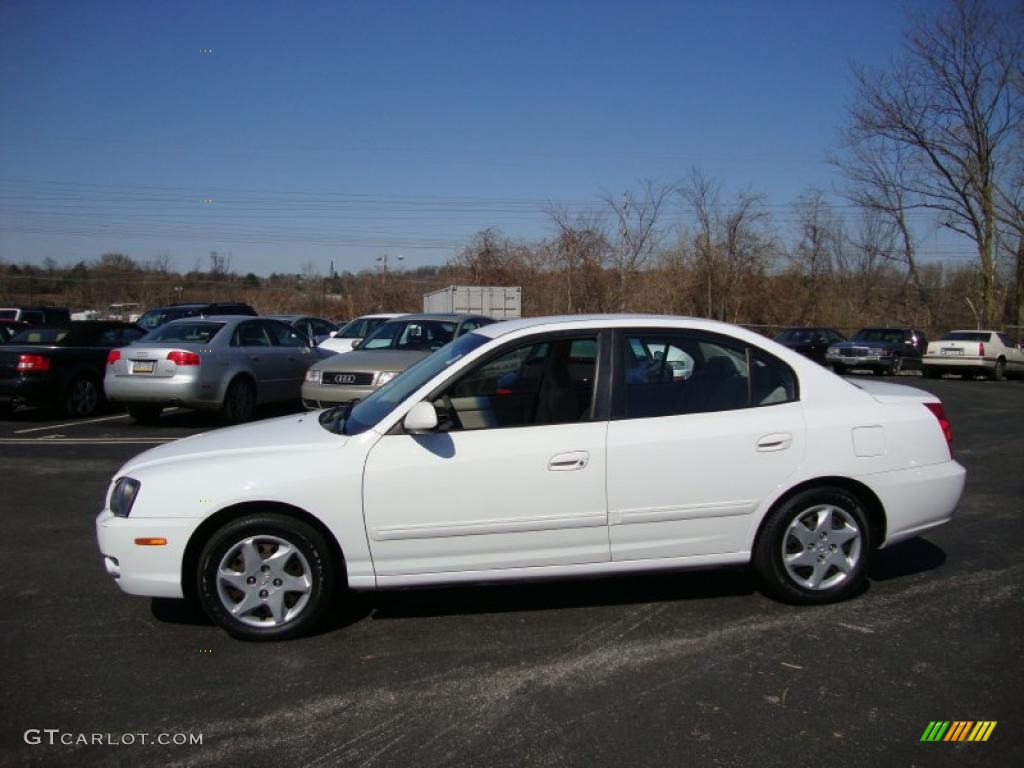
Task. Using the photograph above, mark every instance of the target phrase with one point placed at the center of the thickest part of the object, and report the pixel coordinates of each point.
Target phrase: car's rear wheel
(144, 413)
(239, 401)
(267, 577)
(813, 548)
(999, 372)
(83, 397)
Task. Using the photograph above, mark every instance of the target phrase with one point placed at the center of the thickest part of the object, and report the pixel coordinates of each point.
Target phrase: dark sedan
(61, 365)
(880, 350)
(810, 342)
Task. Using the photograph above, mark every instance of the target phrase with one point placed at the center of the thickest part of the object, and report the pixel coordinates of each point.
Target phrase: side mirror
(332, 334)
(421, 418)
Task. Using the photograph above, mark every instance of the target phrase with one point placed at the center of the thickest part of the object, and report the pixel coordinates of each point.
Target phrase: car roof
(553, 322)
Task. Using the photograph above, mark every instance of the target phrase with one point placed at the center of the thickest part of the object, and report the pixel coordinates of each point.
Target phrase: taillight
(981, 349)
(33, 363)
(947, 429)
(113, 356)
(179, 357)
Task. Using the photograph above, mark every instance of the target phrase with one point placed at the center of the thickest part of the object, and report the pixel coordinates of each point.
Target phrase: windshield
(378, 405)
(411, 335)
(884, 335)
(361, 327)
(199, 332)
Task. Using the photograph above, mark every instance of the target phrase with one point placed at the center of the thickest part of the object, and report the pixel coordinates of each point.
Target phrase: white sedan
(540, 448)
(972, 352)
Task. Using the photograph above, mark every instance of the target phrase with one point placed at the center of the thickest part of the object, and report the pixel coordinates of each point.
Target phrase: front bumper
(861, 361)
(154, 571)
(316, 396)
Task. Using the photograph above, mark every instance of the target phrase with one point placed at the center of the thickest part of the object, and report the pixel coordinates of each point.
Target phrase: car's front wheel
(813, 548)
(267, 577)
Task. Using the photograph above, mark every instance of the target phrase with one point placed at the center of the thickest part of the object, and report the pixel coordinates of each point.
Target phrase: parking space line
(86, 440)
(70, 424)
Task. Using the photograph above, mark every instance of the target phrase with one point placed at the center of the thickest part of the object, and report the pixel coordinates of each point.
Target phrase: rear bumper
(154, 571)
(172, 390)
(32, 388)
(917, 499)
(959, 363)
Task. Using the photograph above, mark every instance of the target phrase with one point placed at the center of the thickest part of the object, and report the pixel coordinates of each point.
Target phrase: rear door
(694, 450)
(252, 338)
(295, 350)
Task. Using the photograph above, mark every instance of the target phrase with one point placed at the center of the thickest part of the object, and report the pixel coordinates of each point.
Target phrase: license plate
(952, 351)
(143, 366)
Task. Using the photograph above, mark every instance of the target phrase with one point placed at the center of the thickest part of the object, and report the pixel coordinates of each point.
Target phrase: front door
(514, 477)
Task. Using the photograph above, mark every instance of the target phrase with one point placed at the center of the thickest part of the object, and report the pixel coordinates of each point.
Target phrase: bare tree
(637, 217)
(819, 232)
(580, 249)
(951, 102)
(731, 243)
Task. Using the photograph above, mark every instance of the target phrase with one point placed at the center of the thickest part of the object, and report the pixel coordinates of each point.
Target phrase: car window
(251, 334)
(109, 337)
(357, 329)
(966, 336)
(1007, 341)
(544, 383)
(285, 335)
(129, 335)
(31, 316)
(677, 373)
(41, 336)
(8, 314)
(469, 325)
(199, 332)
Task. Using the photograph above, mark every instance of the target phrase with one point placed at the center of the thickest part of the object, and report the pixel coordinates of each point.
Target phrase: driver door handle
(566, 462)
(777, 442)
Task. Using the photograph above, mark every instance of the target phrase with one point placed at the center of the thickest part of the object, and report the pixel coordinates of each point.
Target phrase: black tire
(999, 372)
(839, 369)
(83, 397)
(314, 560)
(6, 409)
(239, 401)
(143, 413)
(879, 371)
(792, 584)
(897, 365)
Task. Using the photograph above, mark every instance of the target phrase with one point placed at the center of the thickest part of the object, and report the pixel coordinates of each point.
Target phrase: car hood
(371, 360)
(295, 433)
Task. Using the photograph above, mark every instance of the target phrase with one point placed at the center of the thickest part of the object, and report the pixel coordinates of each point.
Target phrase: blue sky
(346, 130)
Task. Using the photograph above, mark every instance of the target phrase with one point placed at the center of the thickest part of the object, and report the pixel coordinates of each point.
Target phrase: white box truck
(499, 302)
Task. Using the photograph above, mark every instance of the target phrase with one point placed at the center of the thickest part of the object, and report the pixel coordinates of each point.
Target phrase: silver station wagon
(228, 364)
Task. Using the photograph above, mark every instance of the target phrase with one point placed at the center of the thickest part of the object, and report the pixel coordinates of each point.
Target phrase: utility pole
(383, 261)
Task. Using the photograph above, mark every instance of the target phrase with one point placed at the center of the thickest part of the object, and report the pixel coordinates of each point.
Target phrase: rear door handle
(779, 441)
(566, 462)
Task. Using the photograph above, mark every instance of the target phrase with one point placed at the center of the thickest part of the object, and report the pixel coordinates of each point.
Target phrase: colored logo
(958, 730)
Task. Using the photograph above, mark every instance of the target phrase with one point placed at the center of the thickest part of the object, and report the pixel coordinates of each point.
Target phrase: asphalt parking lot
(679, 669)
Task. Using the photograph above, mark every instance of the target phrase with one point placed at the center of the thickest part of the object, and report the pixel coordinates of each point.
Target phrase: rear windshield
(795, 335)
(198, 332)
(41, 336)
(8, 314)
(966, 336)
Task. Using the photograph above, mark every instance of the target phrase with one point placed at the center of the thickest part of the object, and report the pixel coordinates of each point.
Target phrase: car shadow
(907, 558)
(564, 593)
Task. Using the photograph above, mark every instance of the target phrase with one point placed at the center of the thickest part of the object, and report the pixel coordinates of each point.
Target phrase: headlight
(385, 376)
(314, 376)
(126, 490)
(832, 350)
